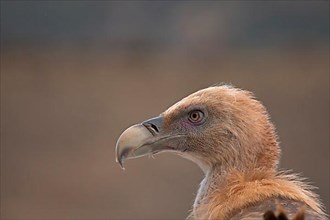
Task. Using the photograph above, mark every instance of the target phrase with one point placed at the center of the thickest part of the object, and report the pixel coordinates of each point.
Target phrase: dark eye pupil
(196, 116)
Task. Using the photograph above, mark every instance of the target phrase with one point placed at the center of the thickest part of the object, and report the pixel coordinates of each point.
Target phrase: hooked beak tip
(120, 163)
(129, 141)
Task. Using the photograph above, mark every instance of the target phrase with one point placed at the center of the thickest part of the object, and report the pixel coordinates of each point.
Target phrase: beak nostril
(154, 127)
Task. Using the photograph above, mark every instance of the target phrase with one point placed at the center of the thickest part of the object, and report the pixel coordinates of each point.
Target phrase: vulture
(227, 132)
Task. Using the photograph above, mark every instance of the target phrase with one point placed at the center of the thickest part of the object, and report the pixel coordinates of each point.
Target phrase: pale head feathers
(240, 133)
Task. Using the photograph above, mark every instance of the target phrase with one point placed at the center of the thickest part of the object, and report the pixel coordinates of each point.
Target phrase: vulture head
(218, 126)
(227, 132)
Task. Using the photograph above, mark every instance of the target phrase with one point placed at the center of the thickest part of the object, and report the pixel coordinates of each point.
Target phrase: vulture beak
(147, 138)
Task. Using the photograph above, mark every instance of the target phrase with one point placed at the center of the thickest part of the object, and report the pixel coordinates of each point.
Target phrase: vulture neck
(224, 192)
(220, 178)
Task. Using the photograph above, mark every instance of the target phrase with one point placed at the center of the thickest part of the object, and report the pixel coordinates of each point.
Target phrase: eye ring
(196, 116)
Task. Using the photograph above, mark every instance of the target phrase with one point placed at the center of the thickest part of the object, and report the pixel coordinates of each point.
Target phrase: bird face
(211, 126)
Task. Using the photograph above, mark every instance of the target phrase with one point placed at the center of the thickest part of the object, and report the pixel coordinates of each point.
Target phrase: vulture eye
(196, 116)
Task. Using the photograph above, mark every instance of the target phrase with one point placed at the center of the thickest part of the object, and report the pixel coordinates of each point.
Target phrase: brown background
(75, 74)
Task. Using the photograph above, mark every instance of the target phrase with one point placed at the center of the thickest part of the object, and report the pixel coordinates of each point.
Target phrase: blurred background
(75, 74)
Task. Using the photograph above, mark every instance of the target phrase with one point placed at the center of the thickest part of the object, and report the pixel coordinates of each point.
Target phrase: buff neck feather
(222, 194)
